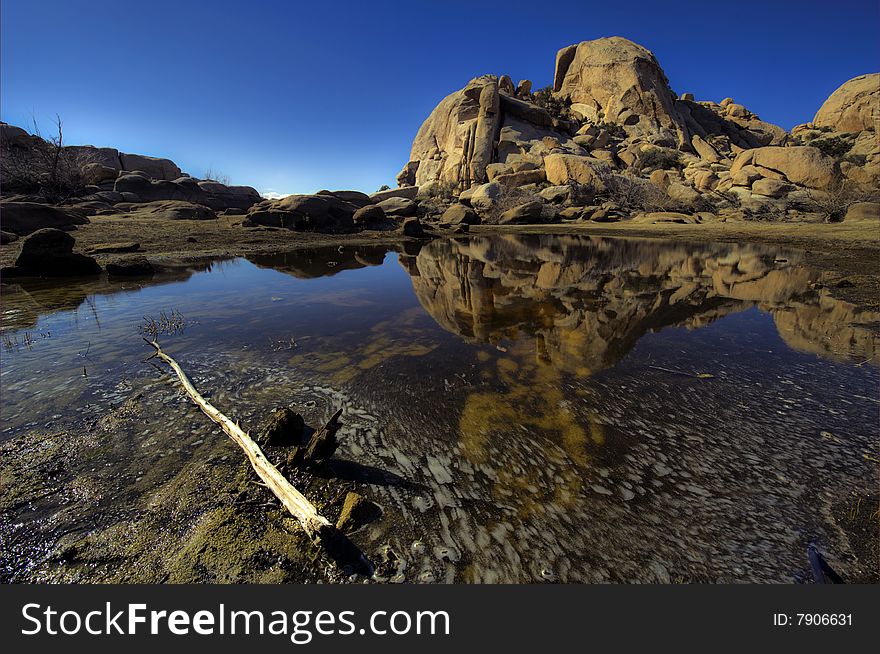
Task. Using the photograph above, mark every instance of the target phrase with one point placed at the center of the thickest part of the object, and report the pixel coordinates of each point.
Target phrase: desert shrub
(555, 106)
(856, 159)
(45, 168)
(614, 130)
(632, 193)
(581, 194)
(514, 198)
(658, 159)
(384, 187)
(833, 146)
(834, 202)
(212, 175)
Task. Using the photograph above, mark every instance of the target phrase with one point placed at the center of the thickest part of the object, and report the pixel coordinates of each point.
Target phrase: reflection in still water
(523, 408)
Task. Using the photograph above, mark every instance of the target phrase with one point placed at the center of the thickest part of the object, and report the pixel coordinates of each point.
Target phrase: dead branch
(299, 507)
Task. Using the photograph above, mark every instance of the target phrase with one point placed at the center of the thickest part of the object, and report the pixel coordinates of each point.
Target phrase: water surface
(523, 408)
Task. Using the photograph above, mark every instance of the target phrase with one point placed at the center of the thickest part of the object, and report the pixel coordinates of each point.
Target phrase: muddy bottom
(523, 408)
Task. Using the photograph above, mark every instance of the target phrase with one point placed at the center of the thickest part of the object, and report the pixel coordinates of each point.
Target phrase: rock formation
(854, 107)
(611, 118)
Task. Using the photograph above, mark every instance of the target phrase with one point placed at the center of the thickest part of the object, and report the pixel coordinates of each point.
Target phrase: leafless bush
(45, 167)
(212, 175)
(834, 202)
(168, 324)
(514, 198)
(631, 192)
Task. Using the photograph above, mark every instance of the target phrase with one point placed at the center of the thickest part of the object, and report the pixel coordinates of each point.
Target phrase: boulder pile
(611, 131)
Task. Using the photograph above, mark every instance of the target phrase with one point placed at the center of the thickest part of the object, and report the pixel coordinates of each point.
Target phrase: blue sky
(293, 97)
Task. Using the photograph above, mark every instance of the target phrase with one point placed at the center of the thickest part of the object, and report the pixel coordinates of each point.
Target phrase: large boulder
(398, 207)
(483, 197)
(854, 107)
(26, 217)
(863, 212)
(155, 167)
(408, 192)
(95, 173)
(319, 213)
(369, 216)
(620, 80)
(529, 212)
(173, 210)
(458, 214)
(456, 142)
(566, 168)
(221, 196)
(803, 165)
(49, 253)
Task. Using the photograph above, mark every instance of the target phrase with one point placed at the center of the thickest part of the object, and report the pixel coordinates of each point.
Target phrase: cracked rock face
(614, 76)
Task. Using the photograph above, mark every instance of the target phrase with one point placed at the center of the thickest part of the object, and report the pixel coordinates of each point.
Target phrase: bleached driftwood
(295, 502)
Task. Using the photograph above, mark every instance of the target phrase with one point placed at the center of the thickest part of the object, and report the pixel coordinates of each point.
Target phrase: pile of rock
(113, 182)
(613, 124)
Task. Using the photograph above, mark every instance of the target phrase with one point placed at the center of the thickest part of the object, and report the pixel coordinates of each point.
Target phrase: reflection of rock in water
(308, 263)
(586, 301)
(28, 299)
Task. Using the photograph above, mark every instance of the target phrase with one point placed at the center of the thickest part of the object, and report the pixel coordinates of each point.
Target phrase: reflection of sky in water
(545, 402)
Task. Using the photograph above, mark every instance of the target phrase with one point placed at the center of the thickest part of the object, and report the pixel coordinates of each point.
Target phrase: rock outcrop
(26, 217)
(854, 107)
(611, 120)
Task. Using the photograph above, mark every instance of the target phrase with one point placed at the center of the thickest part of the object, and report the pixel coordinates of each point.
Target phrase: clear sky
(293, 97)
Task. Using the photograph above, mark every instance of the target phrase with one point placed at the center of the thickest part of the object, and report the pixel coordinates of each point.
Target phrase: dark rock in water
(357, 511)
(369, 216)
(49, 253)
(321, 445)
(137, 267)
(115, 248)
(524, 213)
(282, 428)
(26, 217)
(464, 228)
(7, 237)
(458, 214)
(412, 227)
(399, 207)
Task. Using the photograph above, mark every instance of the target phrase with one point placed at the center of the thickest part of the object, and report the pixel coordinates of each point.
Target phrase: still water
(522, 408)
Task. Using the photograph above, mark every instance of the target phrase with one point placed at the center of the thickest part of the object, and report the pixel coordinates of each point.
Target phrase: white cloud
(273, 195)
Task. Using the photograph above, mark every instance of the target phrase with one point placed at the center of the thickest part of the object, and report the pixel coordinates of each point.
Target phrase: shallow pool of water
(523, 408)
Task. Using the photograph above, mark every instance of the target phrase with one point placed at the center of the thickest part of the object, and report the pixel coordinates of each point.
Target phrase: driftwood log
(316, 526)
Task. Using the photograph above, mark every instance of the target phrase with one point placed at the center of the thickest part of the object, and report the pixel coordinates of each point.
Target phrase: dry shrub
(632, 193)
(834, 202)
(46, 167)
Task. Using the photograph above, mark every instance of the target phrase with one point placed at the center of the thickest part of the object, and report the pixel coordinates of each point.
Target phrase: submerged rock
(282, 428)
(357, 511)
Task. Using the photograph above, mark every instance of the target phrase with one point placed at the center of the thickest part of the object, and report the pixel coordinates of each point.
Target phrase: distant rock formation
(93, 180)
